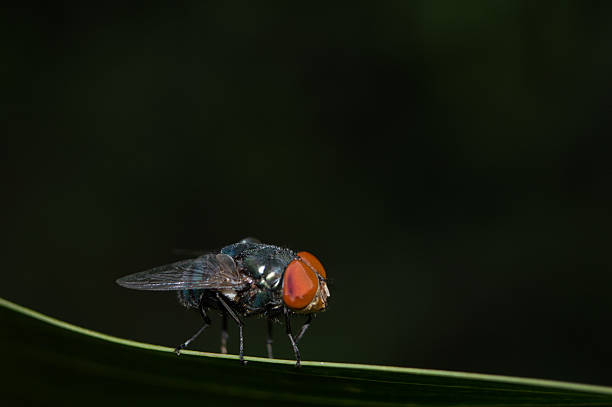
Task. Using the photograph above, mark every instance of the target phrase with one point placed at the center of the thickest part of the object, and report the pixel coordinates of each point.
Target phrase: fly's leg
(304, 328)
(270, 341)
(290, 335)
(224, 334)
(207, 323)
(183, 345)
(233, 315)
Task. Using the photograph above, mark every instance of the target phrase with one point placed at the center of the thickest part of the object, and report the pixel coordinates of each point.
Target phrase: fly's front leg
(224, 334)
(290, 335)
(207, 323)
(233, 315)
(304, 328)
(269, 341)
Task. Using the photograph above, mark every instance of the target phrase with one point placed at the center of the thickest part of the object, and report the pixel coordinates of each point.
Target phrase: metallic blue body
(263, 266)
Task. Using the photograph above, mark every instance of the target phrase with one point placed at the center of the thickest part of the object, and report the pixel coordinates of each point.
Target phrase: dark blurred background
(449, 162)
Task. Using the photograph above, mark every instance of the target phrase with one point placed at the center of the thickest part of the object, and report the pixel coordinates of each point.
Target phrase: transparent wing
(207, 271)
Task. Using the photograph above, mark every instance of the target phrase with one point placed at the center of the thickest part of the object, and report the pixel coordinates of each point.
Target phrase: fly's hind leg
(224, 334)
(233, 315)
(207, 323)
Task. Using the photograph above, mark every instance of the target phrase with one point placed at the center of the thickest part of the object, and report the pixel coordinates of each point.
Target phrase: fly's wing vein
(205, 272)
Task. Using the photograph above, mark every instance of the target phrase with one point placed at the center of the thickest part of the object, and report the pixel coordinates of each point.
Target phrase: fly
(243, 279)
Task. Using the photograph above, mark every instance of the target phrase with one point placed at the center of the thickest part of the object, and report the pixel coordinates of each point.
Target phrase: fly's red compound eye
(300, 285)
(313, 262)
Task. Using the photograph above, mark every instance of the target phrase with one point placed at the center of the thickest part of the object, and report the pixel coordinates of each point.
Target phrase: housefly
(243, 279)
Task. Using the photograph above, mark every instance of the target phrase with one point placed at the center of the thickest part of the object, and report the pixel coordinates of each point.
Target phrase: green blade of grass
(50, 362)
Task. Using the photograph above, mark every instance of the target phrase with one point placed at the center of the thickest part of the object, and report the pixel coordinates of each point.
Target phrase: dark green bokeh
(68, 367)
(449, 163)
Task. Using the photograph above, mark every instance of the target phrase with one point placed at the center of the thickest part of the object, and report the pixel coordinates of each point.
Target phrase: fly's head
(305, 285)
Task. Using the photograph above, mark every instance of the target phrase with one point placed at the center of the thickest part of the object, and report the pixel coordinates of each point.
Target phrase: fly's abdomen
(190, 298)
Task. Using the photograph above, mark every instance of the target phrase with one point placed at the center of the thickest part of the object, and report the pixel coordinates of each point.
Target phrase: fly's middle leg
(207, 323)
(270, 341)
(233, 315)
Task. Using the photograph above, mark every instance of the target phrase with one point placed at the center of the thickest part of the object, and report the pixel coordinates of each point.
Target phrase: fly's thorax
(265, 265)
(257, 301)
(236, 249)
